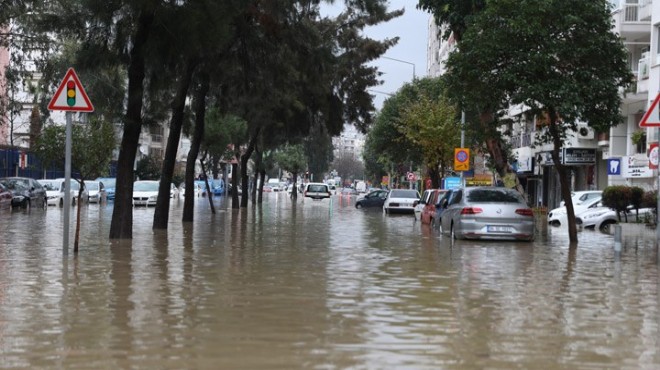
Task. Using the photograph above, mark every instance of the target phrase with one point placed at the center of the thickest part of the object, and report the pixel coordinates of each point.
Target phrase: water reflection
(318, 284)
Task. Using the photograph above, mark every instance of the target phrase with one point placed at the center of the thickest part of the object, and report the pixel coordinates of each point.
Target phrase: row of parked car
(27, 192)
(465, 213)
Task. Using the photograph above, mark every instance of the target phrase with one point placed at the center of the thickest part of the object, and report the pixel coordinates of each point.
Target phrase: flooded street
(318, 285)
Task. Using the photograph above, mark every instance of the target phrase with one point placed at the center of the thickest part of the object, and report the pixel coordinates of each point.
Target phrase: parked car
(488, 213)
(316, 190)
(374, 199)
(274, 184)
(401, 200)
(218, 186)
(5, 197)
(430, 208)
(557, 216)
(109, 184)
(26, 192)
(422, 202)
(95, 191)
(55, 191)
(579, 197)
(145, 192)
(602, 218)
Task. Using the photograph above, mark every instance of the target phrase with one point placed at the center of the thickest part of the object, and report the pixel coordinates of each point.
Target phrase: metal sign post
(67, 186)
(69, 97)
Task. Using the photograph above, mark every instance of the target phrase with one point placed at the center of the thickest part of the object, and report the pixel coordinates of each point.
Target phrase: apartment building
(595, 160)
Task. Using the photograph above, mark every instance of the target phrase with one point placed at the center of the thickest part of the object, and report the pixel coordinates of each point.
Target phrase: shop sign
(579, 156)
(632, 167)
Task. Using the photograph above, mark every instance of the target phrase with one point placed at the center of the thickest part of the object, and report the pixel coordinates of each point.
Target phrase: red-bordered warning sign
(70, 95)
(652, 116)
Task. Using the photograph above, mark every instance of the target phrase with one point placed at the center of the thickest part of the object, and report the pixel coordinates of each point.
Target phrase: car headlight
(153, 197)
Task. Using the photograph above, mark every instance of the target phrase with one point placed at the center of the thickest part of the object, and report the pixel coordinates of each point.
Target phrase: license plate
(499, 229)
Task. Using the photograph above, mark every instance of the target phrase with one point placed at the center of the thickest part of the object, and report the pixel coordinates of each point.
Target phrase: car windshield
(317, 188)
(494, 195)
(49, 185)
(145, 186)
(92, 185)
(404, 194)
(108, 182)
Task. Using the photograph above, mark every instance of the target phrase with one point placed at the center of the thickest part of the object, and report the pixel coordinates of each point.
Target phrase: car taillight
(525, 212)
(471, 210)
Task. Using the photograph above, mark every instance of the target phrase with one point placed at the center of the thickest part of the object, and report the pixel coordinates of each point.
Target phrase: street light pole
(403, 61)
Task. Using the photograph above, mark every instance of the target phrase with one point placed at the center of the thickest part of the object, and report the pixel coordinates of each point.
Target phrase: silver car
(487, 213)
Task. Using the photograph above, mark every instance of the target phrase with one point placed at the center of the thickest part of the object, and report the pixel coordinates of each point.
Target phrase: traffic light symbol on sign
(71, 93)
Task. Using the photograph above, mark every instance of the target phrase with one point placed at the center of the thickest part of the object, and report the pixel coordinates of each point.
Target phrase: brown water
(318, 285)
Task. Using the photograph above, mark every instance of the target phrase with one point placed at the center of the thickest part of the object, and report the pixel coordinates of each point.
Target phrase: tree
(292, 158)
(92, 144)
(347, 166)
(431, 123)
(566, 65)
(148, 168)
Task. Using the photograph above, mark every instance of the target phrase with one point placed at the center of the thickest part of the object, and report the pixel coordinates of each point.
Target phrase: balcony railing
(637, 12)
(521, 140)
(643, 69)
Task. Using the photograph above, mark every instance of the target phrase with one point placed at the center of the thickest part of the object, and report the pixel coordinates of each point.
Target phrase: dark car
(373, 199)
(5, 197)
(26, 192)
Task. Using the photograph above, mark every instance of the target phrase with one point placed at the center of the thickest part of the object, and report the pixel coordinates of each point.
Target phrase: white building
(592, 157)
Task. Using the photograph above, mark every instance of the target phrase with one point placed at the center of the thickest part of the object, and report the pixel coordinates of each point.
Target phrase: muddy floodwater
(319, 285)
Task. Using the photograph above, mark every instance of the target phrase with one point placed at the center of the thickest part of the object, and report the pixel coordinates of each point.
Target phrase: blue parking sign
(614, 166)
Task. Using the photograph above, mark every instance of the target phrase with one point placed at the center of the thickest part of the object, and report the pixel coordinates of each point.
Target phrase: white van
(361, 187)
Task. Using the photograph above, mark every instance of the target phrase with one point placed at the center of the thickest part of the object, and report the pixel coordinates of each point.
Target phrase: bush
(618, 198)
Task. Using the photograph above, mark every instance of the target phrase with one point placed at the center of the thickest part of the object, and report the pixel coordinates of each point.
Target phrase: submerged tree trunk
(245, 157)
(121, 226)
(562, 172)
(234, 186)
(294, 191)
(260, 194)
(206, 183)
(198, 135)
(161, 213)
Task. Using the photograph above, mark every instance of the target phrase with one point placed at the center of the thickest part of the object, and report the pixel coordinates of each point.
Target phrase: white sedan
(145, 192)
(401, 200)
(558, 216)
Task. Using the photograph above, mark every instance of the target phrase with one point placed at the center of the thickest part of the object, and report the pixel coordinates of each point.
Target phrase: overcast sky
(411, 28)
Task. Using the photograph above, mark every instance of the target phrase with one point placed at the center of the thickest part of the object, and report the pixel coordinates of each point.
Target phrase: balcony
(521, 140)
(632, 21)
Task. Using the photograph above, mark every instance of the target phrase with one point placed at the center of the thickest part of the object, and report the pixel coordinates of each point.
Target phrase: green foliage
(618, 198)
(571, 65)
(292, 158)
(148, 168)
(636, 197)
(92, 144)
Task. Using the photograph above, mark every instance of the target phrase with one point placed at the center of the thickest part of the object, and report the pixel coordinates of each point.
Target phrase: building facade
(595, 160)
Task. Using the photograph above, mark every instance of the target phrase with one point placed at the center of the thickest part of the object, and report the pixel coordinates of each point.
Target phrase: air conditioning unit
(584, 132)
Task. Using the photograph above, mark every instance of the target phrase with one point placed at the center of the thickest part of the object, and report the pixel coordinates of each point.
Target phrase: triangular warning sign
(652, 116)
(70, 95)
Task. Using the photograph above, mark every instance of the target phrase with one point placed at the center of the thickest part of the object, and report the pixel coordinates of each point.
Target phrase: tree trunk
(498, 154)
(161, 213)
(564, 180)
(434, 174)
(260, 194)
(245, 157)
(206, 182)
(121, 226)
(294, 191)
(234, 185)
(255, 180)
(198, 135)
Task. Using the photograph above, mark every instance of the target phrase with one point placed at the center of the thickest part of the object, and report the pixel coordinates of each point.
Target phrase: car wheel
(555, 223)
(453, 233)
(606, 226)
(358, 205)
(61, 202)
